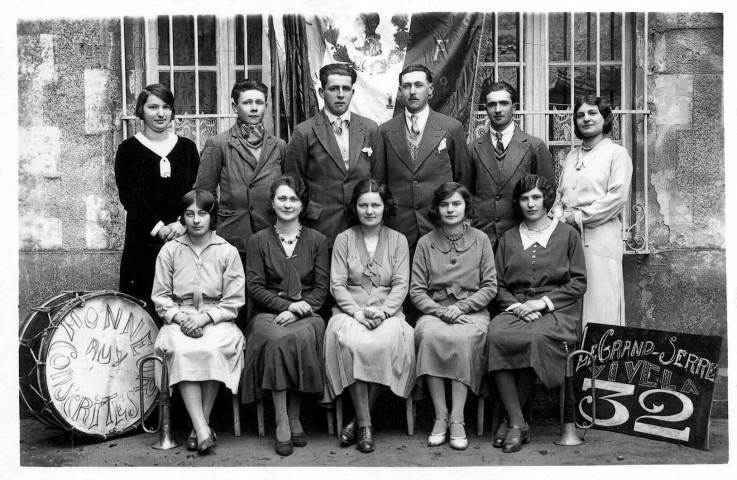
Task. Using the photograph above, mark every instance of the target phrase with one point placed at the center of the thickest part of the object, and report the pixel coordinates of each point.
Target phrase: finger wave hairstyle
(530, 182)
(367, 186)
(295, 183)
(204, 201)
(445, 191)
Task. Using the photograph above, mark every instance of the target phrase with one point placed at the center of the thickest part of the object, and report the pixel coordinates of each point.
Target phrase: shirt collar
(421, 115)
(346, 116)
(214, 240)
(531, 238)
(509, 130)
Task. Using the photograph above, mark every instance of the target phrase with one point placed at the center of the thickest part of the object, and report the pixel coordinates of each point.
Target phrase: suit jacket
(442, 157)
(244, 182)
(314, 155)
(493, 187)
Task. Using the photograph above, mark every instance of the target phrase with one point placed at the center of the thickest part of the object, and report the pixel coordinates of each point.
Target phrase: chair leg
(338, 414)
(260, 416)
(331, 421)
(236, 415)
(480, 405)
(410, 407)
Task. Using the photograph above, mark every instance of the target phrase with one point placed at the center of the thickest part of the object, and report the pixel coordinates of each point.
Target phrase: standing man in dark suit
(332, 152)
(420, 150)
(243, 161)
(499, 158)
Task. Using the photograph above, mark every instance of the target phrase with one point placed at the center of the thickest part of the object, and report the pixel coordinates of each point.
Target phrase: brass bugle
(166, 440)
(568, 435)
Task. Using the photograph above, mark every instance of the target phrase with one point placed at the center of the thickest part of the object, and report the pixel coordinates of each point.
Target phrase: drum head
(90, 373)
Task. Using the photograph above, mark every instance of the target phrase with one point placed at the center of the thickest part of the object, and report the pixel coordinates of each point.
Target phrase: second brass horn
(166, 440)
(568, 434)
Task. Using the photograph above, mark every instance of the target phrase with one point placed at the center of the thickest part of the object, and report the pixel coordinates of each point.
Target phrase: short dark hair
(604, 108)
(248, 84)
(443, 192)
(295, 183)
(204, 200)
(337, 69)
(416, 67)
(530, 182)
(490, 85)
(370, 185)
(158, 90)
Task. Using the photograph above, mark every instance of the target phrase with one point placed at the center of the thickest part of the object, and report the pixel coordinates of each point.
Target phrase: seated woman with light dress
(453, 281)
(541, 272)
(287, 272)
(368, 343)
(198, 290)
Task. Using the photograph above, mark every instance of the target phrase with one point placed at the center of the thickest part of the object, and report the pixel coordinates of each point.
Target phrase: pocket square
(442, 146)
(368, 151)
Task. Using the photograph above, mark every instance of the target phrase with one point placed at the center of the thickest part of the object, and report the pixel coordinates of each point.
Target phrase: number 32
(621, 414)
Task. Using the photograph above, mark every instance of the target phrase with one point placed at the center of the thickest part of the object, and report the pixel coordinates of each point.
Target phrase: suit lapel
(324, 133)
(487, 154)
(431, 137)
(397, 139)
(236, 143)
(356, 136)
(515, 153)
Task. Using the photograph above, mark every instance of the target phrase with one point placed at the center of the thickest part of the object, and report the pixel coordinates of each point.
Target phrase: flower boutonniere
(442, 146)
(368, 151)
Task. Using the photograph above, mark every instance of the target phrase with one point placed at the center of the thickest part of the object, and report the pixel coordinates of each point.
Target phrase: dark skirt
(137, 268)
(279, 358)
(514, 344)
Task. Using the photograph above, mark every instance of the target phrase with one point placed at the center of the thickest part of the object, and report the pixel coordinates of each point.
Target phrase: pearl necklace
(537, 231)
(284, 240)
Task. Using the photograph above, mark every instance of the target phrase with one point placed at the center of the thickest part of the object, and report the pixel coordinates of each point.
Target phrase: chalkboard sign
(649, 383)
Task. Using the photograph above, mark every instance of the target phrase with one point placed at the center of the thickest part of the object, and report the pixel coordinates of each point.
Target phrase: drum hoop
(54, 322)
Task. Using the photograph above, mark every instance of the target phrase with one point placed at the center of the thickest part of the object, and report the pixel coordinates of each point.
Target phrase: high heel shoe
(516, 436)
(501, 434)
(192, 442)
(459, 443)
(437, 439)
(205, 446)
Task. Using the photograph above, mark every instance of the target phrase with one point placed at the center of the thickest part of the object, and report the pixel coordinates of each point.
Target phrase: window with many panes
(552, 59)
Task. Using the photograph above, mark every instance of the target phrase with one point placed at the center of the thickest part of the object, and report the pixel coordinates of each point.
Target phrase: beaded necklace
(457, 237)
(284, 240)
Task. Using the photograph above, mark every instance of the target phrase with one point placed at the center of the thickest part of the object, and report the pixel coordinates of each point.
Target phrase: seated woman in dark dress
(287, 279)
(541, 273)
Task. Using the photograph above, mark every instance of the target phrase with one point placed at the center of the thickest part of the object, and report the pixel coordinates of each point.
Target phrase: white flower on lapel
(368, 151)
(442, 146)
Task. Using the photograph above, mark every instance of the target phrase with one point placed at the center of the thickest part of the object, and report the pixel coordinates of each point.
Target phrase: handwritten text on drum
(95, 344)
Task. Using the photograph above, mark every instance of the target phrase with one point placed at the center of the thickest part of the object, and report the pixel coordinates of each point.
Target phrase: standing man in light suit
(332, 152)
(499, 158)
(420, 150)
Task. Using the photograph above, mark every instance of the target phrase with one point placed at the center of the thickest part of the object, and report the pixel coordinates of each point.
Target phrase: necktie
(499, 144)
(414, 129)
(338, 126)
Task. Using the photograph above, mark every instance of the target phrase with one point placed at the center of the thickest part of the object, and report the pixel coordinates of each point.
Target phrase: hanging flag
(380, 45)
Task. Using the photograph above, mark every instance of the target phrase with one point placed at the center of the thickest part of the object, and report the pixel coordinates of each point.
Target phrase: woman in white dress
(199, 287)
(368, 343)
(593, 186)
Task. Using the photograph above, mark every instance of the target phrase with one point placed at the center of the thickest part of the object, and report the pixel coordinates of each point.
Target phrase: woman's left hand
(451, 314)
(373, 312)
(300, 309)
(285, 318)
(530, 306)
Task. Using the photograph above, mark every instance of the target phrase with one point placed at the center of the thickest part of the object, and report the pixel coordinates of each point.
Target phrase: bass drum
(79, 356)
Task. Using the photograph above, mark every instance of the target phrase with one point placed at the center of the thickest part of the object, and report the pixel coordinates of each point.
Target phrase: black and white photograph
(333, 239)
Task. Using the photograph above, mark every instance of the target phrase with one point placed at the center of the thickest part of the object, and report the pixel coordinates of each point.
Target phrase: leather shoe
(501, 434)
(365, 439)
(437, 439)
(204, 447)
(459, 443)
(284, 448)
(299, 439)
(192, 442)
(516, 436)
(348, 434)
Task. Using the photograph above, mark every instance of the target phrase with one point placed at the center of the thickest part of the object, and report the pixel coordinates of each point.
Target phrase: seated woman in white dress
(199, 287)
(368, 343)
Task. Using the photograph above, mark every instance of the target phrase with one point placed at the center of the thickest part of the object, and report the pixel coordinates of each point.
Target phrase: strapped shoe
(516, 437)
(459, 443)
(365, 439)
(437, 439)
(192, 442)
(501, 434)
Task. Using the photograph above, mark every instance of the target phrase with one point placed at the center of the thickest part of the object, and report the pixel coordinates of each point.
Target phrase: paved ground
(44, 447)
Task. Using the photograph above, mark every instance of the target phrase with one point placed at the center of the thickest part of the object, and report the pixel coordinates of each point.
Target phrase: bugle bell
(568, 434)
(166, 440)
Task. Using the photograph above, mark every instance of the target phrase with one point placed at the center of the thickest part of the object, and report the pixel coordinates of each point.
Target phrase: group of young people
(361, 257)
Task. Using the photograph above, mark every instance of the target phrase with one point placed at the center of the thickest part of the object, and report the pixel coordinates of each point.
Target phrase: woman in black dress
(153, 170)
